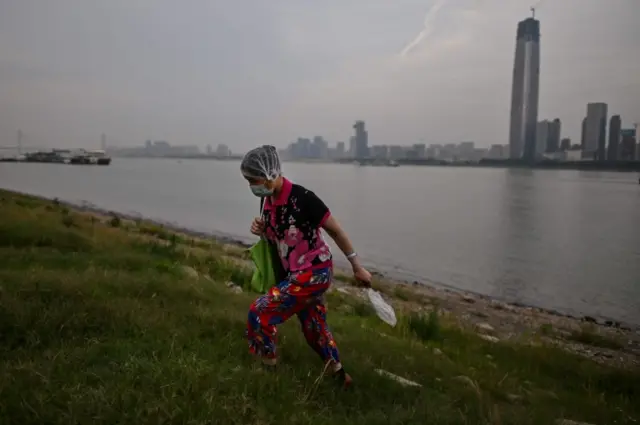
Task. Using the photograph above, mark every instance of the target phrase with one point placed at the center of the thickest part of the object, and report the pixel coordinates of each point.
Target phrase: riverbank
(105, 320)
(605, 341)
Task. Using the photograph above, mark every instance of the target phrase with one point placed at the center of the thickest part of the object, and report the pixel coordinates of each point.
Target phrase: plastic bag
(384, 311)
(264, 275)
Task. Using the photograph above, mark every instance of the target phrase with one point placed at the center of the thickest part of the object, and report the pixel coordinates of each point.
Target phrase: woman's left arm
(337, 233)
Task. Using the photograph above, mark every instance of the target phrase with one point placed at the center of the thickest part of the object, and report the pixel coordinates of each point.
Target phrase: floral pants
(301, 294)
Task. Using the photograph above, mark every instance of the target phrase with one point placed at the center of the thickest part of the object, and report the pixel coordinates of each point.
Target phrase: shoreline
(386, 277)
(228, 239)
(493, 319)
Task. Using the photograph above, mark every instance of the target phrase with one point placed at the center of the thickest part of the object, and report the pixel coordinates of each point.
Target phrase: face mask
(260, 191)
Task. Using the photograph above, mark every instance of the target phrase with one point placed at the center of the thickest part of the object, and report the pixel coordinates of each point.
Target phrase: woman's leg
(291, 296)
(265, 313)
(313, 321)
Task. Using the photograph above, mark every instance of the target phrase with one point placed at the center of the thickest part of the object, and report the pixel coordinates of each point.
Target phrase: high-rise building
(614, 138)
(340, 149)
(361, 140)
(524, 92)
(319, 148)
(565, 144)
(595, 137)
(542, 137)
(583, 135)
(352, 147)
(628, 144)
(553, 141)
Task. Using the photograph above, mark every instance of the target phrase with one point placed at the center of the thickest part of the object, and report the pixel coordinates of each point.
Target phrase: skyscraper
(595, 137)
(628, 144)
(524, 92)
(553, 141)
(542, 137)
(361, 140)
(614, 138)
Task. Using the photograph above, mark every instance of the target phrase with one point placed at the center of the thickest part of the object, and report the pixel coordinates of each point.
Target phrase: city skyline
(179, 73)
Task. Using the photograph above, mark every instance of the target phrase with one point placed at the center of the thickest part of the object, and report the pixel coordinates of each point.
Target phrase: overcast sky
(247, 72)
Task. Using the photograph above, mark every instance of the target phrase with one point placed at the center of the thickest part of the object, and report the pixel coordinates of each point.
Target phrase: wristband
(352, 255)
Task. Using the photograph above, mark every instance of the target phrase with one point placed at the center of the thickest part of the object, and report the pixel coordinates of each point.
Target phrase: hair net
(262, 162)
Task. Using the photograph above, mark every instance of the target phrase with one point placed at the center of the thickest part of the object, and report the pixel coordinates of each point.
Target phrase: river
(557, 239)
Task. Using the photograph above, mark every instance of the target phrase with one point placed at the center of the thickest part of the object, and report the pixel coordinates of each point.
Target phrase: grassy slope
(98, 324)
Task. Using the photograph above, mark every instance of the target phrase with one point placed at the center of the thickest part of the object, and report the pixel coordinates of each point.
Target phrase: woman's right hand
(257, 227)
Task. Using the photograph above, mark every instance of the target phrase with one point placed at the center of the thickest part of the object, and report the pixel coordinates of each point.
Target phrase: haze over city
(256, 72)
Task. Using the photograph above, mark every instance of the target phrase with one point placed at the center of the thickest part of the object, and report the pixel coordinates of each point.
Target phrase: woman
(292, 219)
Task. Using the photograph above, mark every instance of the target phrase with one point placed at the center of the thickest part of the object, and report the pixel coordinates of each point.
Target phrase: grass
(425, 327)
(99, 324)
(589, 336)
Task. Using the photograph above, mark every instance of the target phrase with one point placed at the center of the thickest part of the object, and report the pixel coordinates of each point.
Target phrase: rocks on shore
(489, 338)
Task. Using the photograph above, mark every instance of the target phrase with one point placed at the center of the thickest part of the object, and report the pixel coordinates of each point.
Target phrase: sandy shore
(604, 341)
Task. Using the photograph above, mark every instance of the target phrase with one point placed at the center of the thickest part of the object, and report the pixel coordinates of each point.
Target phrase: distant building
(396, 152)
(223, 151)
(628, 144)
(583, 134)
(553, 141)
(466, 151)
(614, 138)
(380, 151)
(421, 150)
(495, 152)
(319, 148)
(542, 137)
(209, 150)
(565, 144)
(361, 140)
(157, 149)
(595, 132)
(524, 92)
(352, 147)
(103, 142)
(340, 150)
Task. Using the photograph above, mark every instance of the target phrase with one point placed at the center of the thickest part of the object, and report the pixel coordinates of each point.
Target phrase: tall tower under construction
(524, 92)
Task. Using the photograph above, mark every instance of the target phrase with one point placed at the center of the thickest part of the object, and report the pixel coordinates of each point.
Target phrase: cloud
(427, 29)
(251, 72)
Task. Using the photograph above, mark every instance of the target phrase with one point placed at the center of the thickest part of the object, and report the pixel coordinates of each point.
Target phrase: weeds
(425, 327)
(590, 336)
(99, 325)
(115, 221)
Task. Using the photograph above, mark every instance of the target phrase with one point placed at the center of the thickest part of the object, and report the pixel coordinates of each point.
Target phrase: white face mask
(260, 191)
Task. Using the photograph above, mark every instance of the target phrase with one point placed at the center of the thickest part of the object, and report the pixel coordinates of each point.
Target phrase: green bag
(268, 268)
(264, 275)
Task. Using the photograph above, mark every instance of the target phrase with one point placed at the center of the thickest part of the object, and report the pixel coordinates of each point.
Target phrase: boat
(99, 157)
(94, 157)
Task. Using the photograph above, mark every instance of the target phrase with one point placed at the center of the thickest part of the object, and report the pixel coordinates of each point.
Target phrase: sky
(251, 72)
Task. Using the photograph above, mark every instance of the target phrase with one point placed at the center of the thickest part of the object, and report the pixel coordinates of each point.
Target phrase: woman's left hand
(362, 276)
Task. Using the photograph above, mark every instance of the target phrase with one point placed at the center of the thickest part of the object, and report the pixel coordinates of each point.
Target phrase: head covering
(262, 162)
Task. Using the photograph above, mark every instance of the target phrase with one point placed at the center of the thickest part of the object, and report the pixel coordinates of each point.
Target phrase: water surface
(559, 239)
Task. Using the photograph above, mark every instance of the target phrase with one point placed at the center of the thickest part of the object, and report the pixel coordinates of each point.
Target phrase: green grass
(589, 336)
(99, 324)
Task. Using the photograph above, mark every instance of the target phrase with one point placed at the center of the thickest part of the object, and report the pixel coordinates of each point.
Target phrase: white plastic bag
(382, 308)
